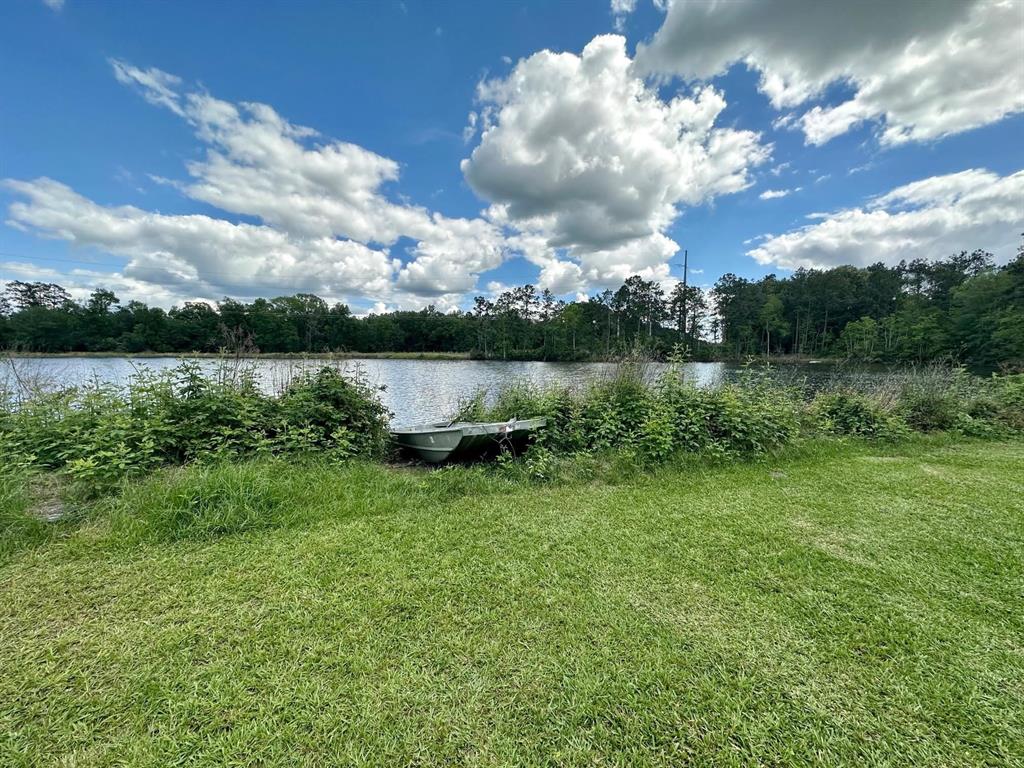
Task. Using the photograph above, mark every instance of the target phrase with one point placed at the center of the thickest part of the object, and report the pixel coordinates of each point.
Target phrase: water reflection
(414, 390)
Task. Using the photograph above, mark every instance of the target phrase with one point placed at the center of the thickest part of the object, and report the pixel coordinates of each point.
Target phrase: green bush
(99, 434)
(1009, 399)
(844, 412)
(627, 414)
(652, 421)
(931, 411)
(935, 398)
(951, 400)
(993, 408)
(335, 415)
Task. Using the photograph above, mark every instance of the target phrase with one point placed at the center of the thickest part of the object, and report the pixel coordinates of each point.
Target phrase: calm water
(414, 390)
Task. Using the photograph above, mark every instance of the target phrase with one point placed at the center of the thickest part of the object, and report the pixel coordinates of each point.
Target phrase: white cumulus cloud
(198, 255)
(591, 166)
(928, 219)
(925, 69)
(326, 223)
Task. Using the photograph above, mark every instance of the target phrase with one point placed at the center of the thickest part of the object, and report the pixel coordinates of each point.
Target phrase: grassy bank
(844, 603)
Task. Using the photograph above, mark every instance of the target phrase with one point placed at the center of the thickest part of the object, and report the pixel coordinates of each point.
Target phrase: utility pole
(686, 295)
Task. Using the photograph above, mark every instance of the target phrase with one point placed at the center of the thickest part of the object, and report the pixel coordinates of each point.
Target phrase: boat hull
(436, 443)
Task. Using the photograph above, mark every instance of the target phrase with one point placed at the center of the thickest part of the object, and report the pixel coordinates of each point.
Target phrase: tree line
(521, 323)
(960, 308)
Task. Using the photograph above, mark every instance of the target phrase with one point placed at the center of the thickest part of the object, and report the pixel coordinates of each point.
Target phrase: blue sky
(918, 172)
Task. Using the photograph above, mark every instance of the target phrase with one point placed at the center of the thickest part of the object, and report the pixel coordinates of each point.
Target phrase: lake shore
(847, 603)
(760, 359)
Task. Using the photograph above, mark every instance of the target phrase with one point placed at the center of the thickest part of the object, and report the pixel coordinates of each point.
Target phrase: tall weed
(19, 527)
(759, 413)
(202, 502)
(846, 412)
(627, 413)
(100, 433)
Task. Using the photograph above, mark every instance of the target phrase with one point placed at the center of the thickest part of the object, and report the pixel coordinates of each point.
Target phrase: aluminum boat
(445, 441)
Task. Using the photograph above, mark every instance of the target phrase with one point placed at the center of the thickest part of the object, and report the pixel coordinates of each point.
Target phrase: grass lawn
(847, 605)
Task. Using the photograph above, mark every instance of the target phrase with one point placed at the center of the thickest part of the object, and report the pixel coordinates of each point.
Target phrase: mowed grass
(847, 605)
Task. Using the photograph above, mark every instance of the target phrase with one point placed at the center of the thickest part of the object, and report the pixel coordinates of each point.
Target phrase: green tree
(194, 327)
(859, 338)
(772, 320)
(483, 317)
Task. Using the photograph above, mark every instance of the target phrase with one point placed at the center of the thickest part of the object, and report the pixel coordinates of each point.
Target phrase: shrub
(935, 398)
(340, 416)
(942, 399)
(1009, 399)
(929, 411)
(99, 434)
(748, 417)
(654, 421)
(851, 413)
(627, 414)
(994, 407)
(613, 413)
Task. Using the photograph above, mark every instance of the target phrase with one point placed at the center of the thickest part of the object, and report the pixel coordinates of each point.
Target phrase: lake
(414, 390)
